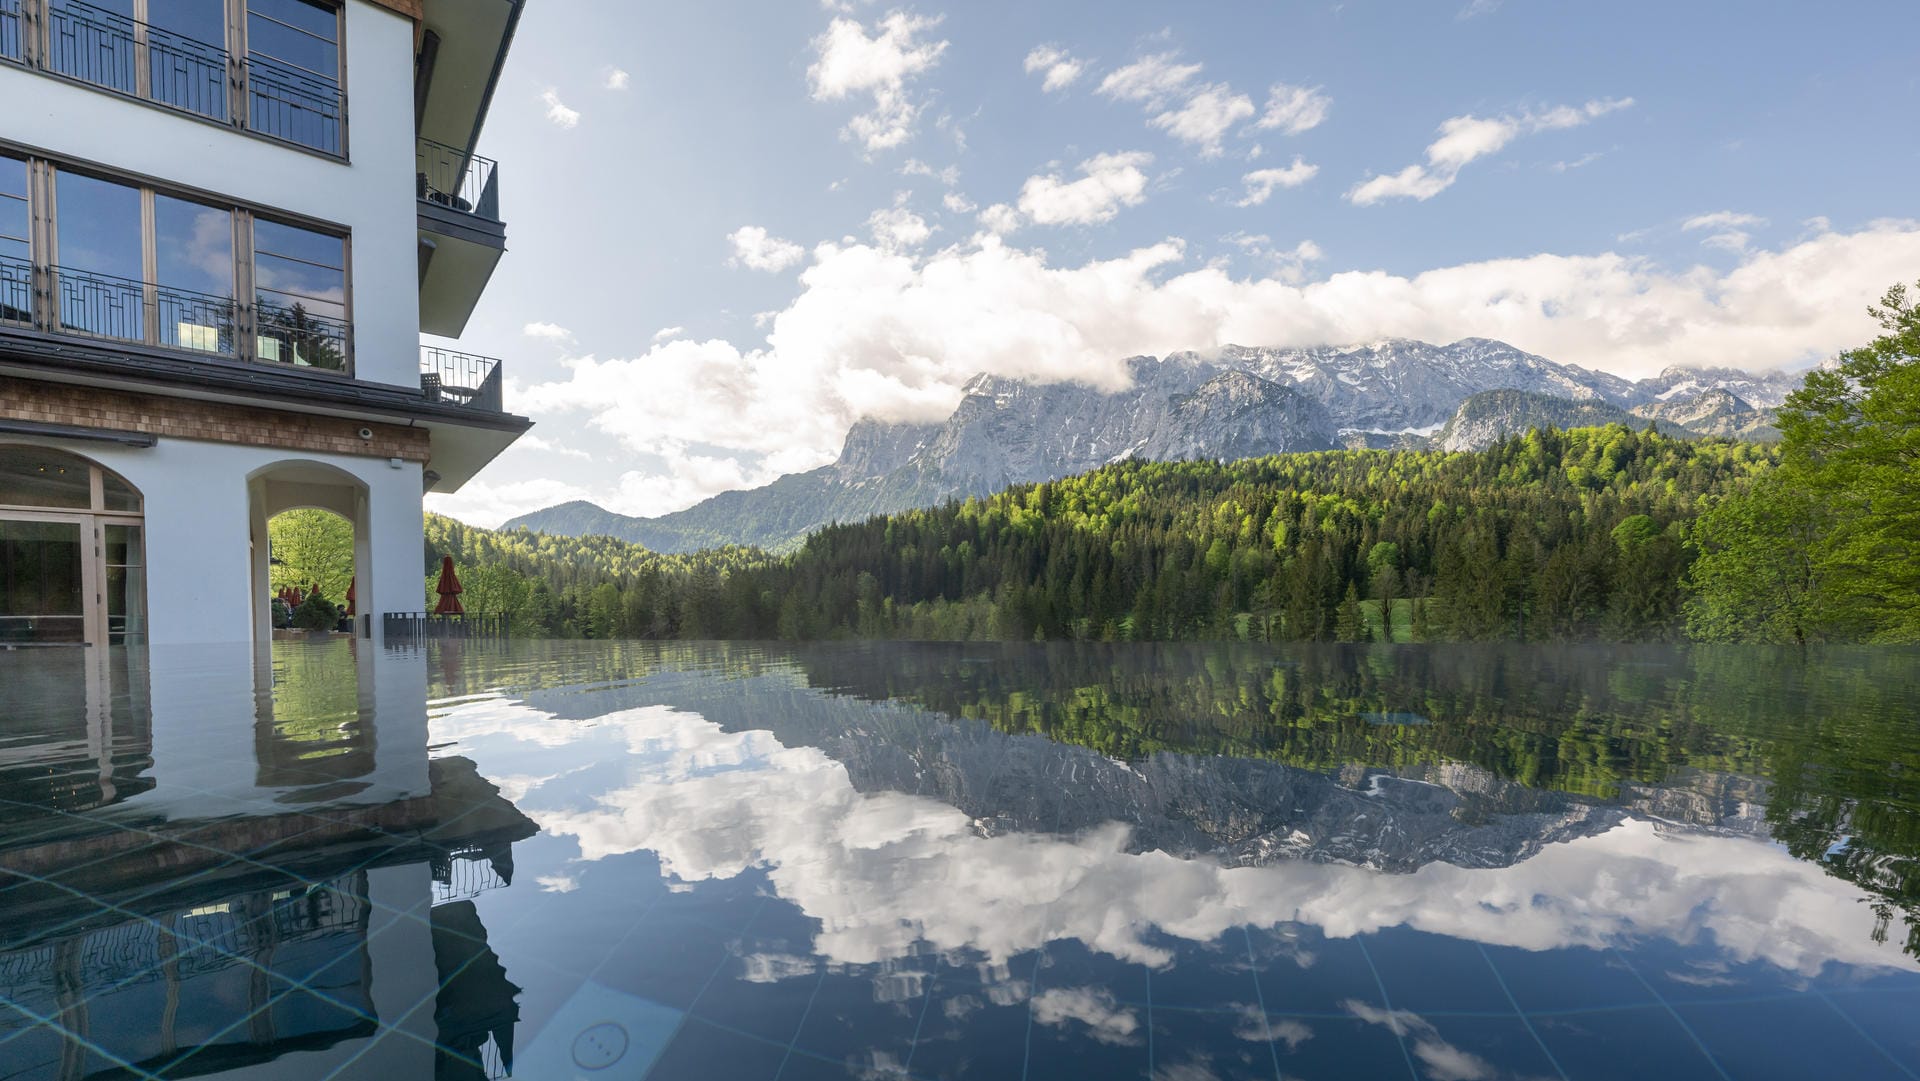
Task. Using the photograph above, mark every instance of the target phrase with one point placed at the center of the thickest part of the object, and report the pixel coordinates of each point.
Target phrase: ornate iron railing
(111, 50)
(107, 306)
(294, 105)
(290, 334)
(403, 628)
(460, 379)
(457, 179)
(16, 291)
(10, 30)
(107, 49)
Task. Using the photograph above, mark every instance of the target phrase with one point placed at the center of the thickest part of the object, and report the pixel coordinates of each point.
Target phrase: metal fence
(109, 49)
(404, 627)
(16, 289)
(460, 379)
(109, 306)
(457, 179)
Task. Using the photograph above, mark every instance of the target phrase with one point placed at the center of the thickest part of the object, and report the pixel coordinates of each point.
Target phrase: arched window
(72, 551)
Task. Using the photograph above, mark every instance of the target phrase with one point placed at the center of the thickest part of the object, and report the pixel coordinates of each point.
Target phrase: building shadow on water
(209, 863)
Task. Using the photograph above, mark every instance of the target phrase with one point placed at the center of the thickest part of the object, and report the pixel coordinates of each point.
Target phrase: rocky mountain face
(1492, 415)
(1718, 412)
(1238, 403)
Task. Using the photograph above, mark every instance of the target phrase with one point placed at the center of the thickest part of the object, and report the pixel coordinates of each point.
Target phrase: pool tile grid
(291, 986)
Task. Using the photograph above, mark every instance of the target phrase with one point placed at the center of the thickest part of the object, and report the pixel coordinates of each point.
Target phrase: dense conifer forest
(1599, 533)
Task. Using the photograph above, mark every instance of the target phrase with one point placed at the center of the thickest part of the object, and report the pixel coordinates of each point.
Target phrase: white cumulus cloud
(853, 64)
(1205, 117)
(557, 112)
(550, 332)
(1261, 183)
(1294, 109)
(1465, 139)
(896, 227)
(756, 249)
(1108, 183)
(1057, 68)
(1151, 80)
(895, 334)
(1722, 219)
(617, 79)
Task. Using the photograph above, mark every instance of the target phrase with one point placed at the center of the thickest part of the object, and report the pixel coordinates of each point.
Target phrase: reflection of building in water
(330, 919)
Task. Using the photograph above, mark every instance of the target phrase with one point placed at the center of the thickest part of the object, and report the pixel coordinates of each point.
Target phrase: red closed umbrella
(449, 590)
(351, 583)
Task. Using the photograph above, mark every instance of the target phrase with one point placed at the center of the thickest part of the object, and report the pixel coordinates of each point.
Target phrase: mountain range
(1237, 403)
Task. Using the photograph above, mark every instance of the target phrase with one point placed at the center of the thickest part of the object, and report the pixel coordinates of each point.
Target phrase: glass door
(44, 583)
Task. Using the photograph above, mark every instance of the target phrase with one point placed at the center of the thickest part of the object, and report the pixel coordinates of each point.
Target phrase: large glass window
(300, 306)
(16, 251)
(10, 29)
(125, 552)
(293, 71)
(193, 268)
(38, 477)
(94, 41)
(41, 582)
(100, 275)
(187, 55)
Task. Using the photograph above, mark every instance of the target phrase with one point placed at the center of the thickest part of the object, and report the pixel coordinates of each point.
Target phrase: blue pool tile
(1637, 1044)
(702, 1052)
(1309, 973)
(1573, 979)
(667, 960)
(867, 1018)
(1886, 1017)
(1425, 972)
(1789, 1038)
(977, 1023)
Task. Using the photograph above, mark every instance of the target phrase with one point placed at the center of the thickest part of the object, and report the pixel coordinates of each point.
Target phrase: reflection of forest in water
(1827, 740)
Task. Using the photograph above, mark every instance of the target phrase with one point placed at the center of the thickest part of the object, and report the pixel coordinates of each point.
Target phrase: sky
(738, 226)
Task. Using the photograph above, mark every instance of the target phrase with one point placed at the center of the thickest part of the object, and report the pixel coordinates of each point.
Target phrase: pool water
(877, 861)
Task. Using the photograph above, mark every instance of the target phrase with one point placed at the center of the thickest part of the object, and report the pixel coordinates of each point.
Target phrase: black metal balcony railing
(457, 179)
(295, 105)
(111, 50)
(10, 30)
(16, 291)
(108, 49)
(107, 306)
(460, 379)
(401, 628)
(290, 334)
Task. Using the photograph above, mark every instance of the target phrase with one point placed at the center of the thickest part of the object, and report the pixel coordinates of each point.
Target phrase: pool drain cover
(599, 1046)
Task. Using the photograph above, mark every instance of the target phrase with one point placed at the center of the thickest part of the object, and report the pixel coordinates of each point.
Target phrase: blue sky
(735, 227)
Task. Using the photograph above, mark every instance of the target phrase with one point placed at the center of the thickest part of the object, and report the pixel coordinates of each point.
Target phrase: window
(193, 274)
(300, 283)
(99, 277)
(10, 29)
(127, 261)
(16, 249)
(187, 57)
(72, 551)
(181, 53)
(293, 71)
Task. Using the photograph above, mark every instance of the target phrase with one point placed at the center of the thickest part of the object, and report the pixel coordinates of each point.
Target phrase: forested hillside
(1574, 534)
(1611, 532)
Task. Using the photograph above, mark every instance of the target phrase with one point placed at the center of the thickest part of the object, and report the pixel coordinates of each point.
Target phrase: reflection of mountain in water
(1256, 756)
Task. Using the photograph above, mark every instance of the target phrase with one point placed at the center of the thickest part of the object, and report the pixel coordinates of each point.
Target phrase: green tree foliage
(311, 548)
(1829, 548)
(1550, 535)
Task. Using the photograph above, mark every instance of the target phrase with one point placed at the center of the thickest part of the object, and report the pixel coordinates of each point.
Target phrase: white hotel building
(224, 225)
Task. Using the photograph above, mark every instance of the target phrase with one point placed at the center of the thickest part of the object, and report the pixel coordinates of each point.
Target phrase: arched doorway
(309, 486)
(72, 551)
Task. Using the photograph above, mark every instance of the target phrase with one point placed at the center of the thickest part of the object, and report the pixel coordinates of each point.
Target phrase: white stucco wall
(372, 195)
(199, 567)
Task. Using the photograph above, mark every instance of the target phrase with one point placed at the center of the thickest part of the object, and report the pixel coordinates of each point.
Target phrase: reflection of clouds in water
(1095, 1008)
(885, 872)
(557, 883)
(1443, 1061)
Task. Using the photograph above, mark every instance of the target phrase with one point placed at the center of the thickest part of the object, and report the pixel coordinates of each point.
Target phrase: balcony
(86, 304)
(102, 48)
(460, 379)
(461, 235)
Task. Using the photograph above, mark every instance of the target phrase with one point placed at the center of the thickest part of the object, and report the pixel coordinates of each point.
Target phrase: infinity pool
(1178, 863)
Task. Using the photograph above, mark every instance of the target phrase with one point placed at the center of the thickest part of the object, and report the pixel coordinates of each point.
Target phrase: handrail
(461, 379)
(103, 48)
(96, 305)
(457, 179)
